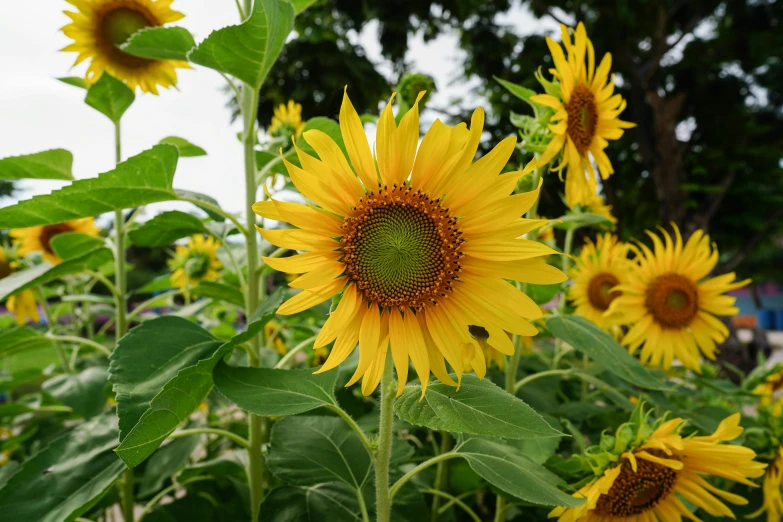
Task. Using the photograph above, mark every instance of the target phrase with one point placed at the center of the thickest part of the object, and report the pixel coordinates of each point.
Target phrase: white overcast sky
(37, 112)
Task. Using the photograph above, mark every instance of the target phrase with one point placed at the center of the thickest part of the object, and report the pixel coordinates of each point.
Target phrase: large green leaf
(223, 292)
(160, 43)
(45, 272)
(66, 478)
(196, 198)
(306, 451)
(148, 357)
(187, 509)
(142, 179)
(508, 469)
(82, 391)
(275, 392)
(74, 244)
(167, 227)
(165, 463)
(186, 148)
(479, 407)
(110, 97)
(322, 503)
(49, 164)
(248, 51)
(301, 5)
(587, 338)
(20, 339)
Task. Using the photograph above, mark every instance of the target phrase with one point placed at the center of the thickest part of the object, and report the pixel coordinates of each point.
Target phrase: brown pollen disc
(636, 492)
(599, 290)
(401, 248)
(582, 117)
(49, 231)
(673, 300)
(117, 23)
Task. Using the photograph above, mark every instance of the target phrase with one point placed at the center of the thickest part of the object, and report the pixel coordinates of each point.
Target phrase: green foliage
(82, 392)
(325, 502)
(160, 43)
(110, 97)
(186, 149)
(49, 164)
(167, 227)
(21, 339)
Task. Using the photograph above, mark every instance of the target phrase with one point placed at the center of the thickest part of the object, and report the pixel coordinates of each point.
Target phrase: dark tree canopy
(702, 79)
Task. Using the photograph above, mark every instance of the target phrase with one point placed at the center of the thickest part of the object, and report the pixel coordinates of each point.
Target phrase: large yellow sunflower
(773, 491)
(585, 112)
(197, 261)
(38, 239)
(417, 255)
(100, 27)
(598, 269)
(287, 120)
(650, 482)
(672, 304)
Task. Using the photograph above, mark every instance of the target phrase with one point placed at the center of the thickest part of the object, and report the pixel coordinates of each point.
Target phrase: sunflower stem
(441, 474)
(121, 324)
(383, 451)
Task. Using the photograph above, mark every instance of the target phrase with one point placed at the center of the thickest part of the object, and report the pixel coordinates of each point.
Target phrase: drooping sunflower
(772, 488)
(416, 256)
(23, 304)
(197, 261)
(287, 120)
(38, 239)
(100, 27)
(586, 111)
(671, 304)
(598, 270)
(593, 203)
(652, 476)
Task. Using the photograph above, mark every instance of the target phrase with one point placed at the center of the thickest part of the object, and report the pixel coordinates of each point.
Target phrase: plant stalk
(441, 473)
(383, 453)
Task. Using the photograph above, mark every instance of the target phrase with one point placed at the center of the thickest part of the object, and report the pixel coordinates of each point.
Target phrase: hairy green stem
(540, 375)
(79, 340)
(421, 467)
(355, 427)
(157, 498)
(383, 497)
(211, 431)
(217, 210)
(67, 368)
(293, 351)
(441, 473)
(139, 309)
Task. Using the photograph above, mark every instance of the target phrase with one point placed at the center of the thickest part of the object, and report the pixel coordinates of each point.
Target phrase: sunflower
(24, 306)
(585, 111)
(649, 482)
(773, 491)
(671, 304)
(6, 267)
(416, 256)
(771, 384)
(38, 239)
(478, 356)
(287, 120)
(273, 332)
(598, 269)
(100, 27)
(196, 261)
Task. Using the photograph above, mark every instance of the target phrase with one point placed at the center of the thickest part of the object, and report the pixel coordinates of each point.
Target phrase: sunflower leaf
(21, 339)
(507, 468)
(186, 148)
(165, 228)
(49, 164)
(479, 407)
(83, 391)
(160, 43)
(110, 97)
(587, 338)
(75, 81)
(248, 51)
(332, 502)
(139, 180)
(73, 244)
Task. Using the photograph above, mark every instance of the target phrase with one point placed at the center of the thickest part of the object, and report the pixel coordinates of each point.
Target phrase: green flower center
(120, 24)
(672, 300)
(117, 25)
(197, 265)
(401, 248)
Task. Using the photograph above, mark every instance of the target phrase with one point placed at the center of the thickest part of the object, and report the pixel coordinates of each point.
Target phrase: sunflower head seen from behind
(416, 252)
(598, 270)
(586, 110)
(670, 303)
(650, 472)
(197, 261)
(287, 121)
(39, 239)
(99, 27)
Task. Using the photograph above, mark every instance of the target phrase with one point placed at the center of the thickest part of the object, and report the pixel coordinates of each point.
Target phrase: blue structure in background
(770, 314)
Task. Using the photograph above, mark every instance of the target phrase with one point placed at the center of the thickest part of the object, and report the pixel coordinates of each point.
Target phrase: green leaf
(142, 179)
(188, 194)
(275, 392)
(165, 228)
(49, 164)
(523, 93)
(581, 219)
(160, 43)
(220, 291)
(301, 5)
(479, 407)
(306, 451)
(542, 294)
(509, 470)
(76, 81)
(20, 339)
(186, 149)
(195, 506)
(110, 97)
(82, 392)
(165, 463)
(327, 126)
(159, 284)
(232, 464)
(322, 503)
(248, 51)
(45, 272)
(74, 244)
(587, 338)
(166, 345)
(66, 478)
